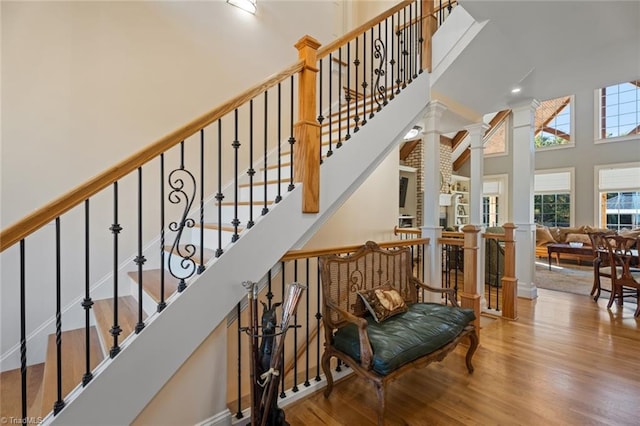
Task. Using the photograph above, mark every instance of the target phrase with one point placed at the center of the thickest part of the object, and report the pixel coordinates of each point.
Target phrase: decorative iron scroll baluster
(356, 62)
(23, 333)
(265, 209)
(318, 320)
(379, 90)
(279, 143)
(292, 140)
(177, 180)
(201, 267)
(236, 147)
(115, 230)
(339, 143)
(87, 303)
(162, 304)
(59, 404)
(239, 414)
(364, 79)
(251, 172)
(140, 259)
(219, 195)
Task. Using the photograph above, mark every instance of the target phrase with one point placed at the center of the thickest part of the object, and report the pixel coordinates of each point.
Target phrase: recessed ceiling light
(516, 90)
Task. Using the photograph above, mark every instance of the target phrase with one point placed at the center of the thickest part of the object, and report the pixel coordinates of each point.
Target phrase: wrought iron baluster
(347, 96)
(279, 143)
(219, 195)
(386, 69)
(295, 335)
(318, 319)
(23, 333)
(87, 303)
(265, 209)
(162, 304)
(364, 79)
(236, 147)
(356, 62)
(59, 404)
(411, 69)
(306, 352)
(339, 143)
(405, 53)
(115, 230)
(140, 259)
(420, 38)
(395, 63)
(201, 268)
(292, 140)
(330, 151)
(320, 116)
(239, 414)
(281, 365)
(379, 91)
(251, 172)
(179, 180)
(269, 292)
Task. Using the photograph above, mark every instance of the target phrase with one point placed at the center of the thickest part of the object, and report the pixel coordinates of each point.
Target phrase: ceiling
(548, 49)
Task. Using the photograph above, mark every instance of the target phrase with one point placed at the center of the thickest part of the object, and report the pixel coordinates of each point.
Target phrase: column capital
(477, 129)
(435, 109)
(524, 104)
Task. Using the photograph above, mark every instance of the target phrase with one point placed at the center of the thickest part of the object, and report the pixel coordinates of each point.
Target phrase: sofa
(551, 235)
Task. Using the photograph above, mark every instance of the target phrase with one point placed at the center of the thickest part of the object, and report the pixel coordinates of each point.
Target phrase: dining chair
(623, 256)
(601, 266)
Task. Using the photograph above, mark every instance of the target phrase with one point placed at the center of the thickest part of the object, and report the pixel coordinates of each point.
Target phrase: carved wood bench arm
(451, 293)
(366, 353)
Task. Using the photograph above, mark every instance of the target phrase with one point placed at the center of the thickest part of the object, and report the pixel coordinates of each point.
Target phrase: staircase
(210, 296)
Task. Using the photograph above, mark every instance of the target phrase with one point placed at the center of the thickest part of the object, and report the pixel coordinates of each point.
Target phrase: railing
(500, 283)
(161, 216)
(302, 353)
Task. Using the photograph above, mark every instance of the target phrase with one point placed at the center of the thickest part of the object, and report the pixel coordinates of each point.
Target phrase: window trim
(572, 130)
(596, 122)
(596, 184)
(571, 191)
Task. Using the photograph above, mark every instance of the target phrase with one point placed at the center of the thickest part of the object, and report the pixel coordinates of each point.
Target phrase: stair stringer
(123, 386)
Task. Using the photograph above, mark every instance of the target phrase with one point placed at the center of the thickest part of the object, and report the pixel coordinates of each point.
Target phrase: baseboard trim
(223, 418)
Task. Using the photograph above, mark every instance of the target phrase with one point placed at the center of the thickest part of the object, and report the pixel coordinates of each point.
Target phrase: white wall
(86, 84)
(584, 156)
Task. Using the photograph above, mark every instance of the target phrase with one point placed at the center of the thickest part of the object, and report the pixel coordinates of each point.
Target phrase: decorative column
(476, 137)
(523, 148)
(431, 198)
(469, 296)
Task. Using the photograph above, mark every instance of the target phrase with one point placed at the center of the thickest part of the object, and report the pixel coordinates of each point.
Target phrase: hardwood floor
(566, 361)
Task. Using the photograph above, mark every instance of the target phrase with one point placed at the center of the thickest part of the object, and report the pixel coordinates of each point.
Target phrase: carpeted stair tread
(73, 364)
(151, 280)
(11, 392)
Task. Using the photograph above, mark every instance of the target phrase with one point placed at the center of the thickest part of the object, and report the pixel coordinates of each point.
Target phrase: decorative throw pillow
(578, 238)
(383, 302)
(566, 231)
(543, 236)
(590, 229)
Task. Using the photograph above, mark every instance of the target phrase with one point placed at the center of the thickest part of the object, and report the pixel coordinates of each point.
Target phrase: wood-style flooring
(566, 361)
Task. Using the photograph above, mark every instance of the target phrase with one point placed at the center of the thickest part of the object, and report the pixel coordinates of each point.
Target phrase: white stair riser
(228, 213)
(210, 241)
(258, 191)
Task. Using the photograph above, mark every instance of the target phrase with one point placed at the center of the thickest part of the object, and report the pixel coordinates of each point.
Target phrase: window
(619, 188)
(496, 141)
(619, 112)
(553, 123)
(552, 204)
(493, 200)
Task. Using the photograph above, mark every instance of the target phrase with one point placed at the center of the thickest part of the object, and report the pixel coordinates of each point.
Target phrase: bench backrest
(369, 267)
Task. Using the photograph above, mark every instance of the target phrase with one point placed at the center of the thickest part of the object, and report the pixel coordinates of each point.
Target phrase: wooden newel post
(307, 129)
(469, 297)
(509, 280)
(429, 25)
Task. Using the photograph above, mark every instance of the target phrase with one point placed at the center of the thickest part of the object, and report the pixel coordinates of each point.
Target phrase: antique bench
(359, 292)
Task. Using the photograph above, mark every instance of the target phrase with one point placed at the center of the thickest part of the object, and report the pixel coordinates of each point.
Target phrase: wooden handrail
(36, 220)
(338, 43)
(303, 254)
(398, 230)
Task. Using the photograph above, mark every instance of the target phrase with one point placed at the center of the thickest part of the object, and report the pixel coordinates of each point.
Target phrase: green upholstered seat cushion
(424, 328)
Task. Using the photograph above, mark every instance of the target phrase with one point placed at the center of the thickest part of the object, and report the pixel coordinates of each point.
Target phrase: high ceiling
(548, 49)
